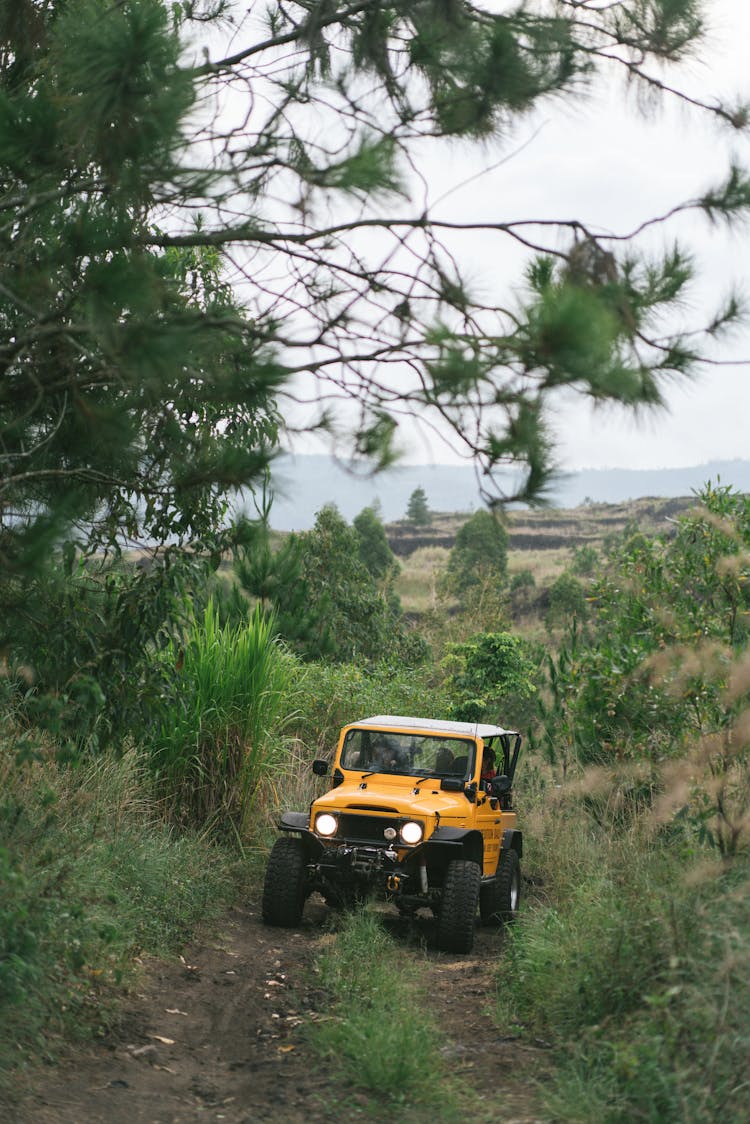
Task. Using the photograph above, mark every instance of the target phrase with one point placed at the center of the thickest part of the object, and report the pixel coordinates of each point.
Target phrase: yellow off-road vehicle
(412, 817)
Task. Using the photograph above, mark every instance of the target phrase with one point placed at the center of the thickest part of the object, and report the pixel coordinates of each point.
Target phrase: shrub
(487, 674)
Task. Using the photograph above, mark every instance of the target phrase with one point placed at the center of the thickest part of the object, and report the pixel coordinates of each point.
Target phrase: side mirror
(320, 768)
(501, 785)
(452, 784)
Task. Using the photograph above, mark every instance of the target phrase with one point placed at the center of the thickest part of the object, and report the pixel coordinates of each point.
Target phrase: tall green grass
(632, 959)
(224, 713)
(90, 877)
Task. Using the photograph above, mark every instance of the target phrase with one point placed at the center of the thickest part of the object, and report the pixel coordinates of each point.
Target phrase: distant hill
(303, 484)
(550, 529)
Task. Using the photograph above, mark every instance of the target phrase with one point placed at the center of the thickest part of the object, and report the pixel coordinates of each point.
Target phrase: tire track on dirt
(218, 1035)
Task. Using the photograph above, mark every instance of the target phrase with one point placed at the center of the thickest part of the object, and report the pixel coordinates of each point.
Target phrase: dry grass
(417, 584)
(545, 565)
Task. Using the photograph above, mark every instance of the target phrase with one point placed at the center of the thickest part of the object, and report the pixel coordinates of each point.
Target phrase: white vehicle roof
(468, 729)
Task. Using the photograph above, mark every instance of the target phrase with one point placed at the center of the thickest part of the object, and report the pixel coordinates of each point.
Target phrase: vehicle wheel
(458, 907)
(498, 900)
(284, 887)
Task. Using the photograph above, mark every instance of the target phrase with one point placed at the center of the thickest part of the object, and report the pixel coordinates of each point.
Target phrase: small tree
(490, 672)
(374, 549)
(418, 511)
(272, 573)
(567, 599)
(479, 556)
(352, 611)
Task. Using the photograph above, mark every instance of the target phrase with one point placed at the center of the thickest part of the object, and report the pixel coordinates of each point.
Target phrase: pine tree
(353, 612)
(417, 510)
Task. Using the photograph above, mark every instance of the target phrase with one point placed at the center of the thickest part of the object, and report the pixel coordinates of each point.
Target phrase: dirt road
(219, 1035)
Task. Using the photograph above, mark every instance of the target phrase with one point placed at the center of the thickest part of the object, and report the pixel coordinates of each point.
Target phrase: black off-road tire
(458, 907)
(499, 899)
(285, 884)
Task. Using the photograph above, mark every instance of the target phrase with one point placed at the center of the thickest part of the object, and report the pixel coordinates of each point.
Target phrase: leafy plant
(489, 675)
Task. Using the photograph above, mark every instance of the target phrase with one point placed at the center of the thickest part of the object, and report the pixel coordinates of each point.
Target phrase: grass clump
(225, 705)
(379, 1031)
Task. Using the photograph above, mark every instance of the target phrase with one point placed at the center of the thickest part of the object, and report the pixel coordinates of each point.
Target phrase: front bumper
(384, 871)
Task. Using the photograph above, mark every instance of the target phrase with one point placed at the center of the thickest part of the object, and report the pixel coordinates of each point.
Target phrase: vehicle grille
(365, 829)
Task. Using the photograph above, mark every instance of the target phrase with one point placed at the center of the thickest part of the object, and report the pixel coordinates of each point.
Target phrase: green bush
(489, 675)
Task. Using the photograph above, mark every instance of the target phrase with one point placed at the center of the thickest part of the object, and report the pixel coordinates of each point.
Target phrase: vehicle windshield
(414, 755)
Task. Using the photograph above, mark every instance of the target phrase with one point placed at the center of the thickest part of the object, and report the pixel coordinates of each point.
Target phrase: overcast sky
(601, 160)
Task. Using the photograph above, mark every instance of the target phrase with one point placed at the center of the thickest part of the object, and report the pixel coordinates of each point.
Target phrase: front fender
(300, 822)
(294, 821)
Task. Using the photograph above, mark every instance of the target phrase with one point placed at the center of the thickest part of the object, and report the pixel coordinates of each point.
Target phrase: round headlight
(412, 832)
(326, 824)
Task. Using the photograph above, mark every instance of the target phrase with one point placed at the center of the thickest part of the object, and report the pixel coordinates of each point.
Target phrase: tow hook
(393, 882)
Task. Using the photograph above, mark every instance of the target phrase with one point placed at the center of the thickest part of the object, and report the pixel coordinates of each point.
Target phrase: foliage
(355, 619)
(521, 590)
(79, 657)
(332, 695)
(585, 561)
(91, 878)
(141, 172)
(133, 392)
(566, 600)
(479, 556)
(417, 509)
(115, 304)
(489, 676)
(270, 571)
(374, 549)
(227, 700)
(661, 661)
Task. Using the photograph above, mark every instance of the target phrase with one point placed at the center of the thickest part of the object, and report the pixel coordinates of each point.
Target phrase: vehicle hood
(402, 796)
